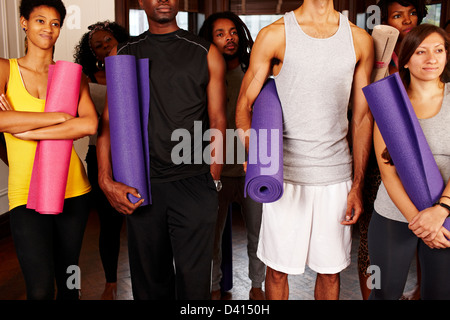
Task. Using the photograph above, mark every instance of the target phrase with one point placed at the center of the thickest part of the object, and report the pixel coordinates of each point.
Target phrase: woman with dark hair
(397, 228)
(447, 26)
(94, 47)
(46, 245)
(402, 15)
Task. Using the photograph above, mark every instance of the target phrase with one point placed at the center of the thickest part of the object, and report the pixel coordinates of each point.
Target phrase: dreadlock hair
(245, 38)
(419, 5)
(85, 56)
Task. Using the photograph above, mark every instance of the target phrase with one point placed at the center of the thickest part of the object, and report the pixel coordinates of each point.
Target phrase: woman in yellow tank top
(46, 245)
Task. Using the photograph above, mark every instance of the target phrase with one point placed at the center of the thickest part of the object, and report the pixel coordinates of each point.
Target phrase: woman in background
(91, 52)
(402, 15)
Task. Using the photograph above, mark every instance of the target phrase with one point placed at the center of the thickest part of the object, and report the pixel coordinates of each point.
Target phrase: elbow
(92, 128)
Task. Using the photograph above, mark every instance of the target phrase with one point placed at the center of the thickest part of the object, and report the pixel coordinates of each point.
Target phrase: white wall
(80, 14)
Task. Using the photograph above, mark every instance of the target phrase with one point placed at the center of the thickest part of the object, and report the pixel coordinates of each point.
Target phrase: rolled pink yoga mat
(52, 160)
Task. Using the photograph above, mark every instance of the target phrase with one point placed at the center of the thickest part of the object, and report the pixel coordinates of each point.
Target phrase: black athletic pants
(392, 246)
(47, 245)
(171, 241)
(111, 221)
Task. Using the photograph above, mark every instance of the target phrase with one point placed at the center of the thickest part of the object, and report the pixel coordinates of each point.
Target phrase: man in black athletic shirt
(170, 242)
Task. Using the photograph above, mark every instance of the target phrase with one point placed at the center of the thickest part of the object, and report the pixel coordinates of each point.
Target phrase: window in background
(434, 14)
(256, 22)
(139, 23)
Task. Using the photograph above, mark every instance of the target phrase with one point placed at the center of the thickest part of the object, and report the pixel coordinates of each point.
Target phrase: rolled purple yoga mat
(264, 178)
(128, 90)
(405, 141)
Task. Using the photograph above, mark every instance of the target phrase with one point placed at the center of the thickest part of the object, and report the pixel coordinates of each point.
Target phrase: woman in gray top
(397, 227)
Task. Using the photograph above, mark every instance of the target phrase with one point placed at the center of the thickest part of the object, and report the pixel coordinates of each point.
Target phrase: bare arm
(391, 180)
(426, 224)
(15, 122)
(269, 45)
(116, 192)
(84, 124)
(361, 124)
(216, 108)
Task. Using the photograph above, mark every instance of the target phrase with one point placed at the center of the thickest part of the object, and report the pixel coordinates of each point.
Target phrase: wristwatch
(218, 184)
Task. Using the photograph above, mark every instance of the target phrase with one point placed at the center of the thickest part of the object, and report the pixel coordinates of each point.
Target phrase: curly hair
(83, 52)
(418, 4)
(27, 7)
(245, 38)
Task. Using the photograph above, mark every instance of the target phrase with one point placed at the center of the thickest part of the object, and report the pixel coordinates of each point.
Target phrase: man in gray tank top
(319, 61)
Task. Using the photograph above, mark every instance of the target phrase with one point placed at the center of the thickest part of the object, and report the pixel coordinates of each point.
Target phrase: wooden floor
(12, 285)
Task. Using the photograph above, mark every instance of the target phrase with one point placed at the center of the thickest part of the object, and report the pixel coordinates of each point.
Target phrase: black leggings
(47, 245)
(111, 221)
(392, 246)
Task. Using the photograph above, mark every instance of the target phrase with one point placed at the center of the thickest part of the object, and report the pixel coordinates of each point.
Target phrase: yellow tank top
(21, 153)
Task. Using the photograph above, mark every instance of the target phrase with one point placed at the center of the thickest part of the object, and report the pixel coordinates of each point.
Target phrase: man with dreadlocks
(231, 36)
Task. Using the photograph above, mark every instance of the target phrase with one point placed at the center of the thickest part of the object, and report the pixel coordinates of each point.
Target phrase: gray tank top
(314, 87)
(438, 138)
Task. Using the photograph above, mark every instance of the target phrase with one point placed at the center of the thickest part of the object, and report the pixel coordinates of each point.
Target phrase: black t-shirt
(178, 100)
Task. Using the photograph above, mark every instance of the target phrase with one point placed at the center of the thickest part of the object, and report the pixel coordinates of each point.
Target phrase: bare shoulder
(4, 74)
(271, 40)
(4, 65)
(272, 32)
(215, 58)
(362, 41)
(360, 34)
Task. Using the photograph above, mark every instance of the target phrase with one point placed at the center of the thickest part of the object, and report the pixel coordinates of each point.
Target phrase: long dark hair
(409, 45)
(245, 38)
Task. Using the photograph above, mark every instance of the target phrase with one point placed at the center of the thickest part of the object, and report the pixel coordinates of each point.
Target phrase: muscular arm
(216, 109)
(362, 122)
(269, 45)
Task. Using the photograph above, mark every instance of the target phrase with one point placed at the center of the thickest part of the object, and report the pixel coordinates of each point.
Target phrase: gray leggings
(392, 247)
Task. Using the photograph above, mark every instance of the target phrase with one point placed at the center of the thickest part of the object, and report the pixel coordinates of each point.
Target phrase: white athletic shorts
(304, 228)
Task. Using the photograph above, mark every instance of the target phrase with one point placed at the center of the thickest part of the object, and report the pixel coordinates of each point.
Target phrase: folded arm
(84, 124)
